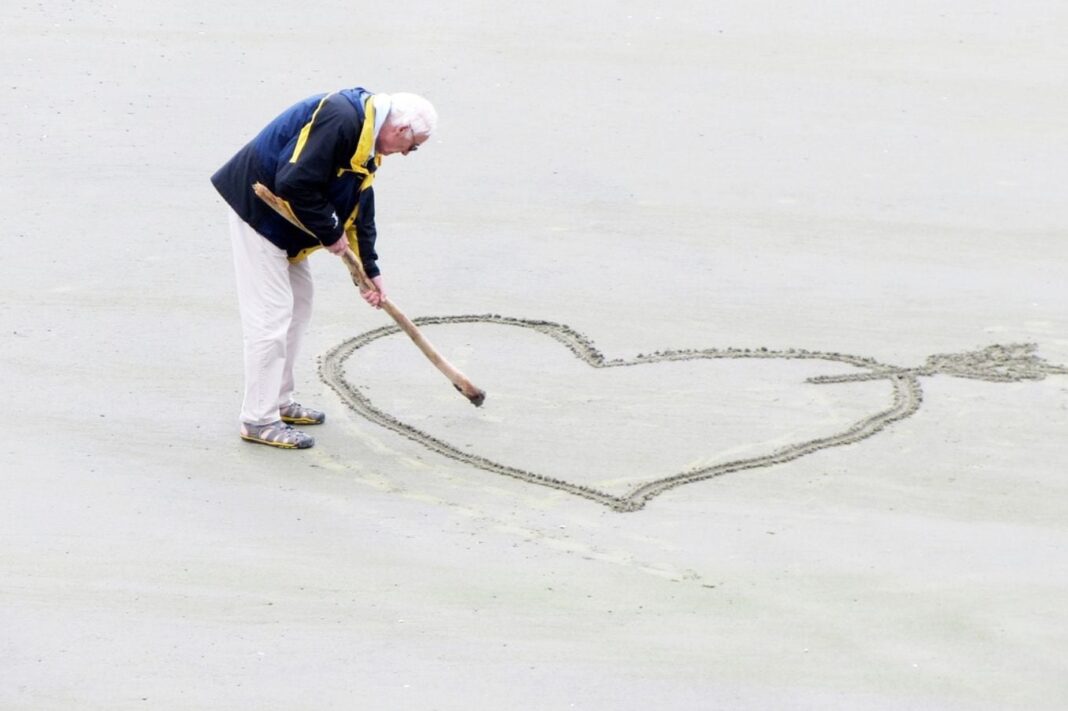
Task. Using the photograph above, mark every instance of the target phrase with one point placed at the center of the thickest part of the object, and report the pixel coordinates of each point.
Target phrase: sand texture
(768, 300)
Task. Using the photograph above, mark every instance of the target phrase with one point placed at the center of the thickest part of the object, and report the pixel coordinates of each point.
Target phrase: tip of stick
(476, 396)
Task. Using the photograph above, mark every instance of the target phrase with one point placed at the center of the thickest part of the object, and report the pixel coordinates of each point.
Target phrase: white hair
(412, 110)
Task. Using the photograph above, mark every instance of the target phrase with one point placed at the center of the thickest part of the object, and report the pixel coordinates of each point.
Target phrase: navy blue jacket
(316, 157)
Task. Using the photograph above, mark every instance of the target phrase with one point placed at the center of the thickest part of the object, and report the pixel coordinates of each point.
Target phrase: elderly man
(319, 158)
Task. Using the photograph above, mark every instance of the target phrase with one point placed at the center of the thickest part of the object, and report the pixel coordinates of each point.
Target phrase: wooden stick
(363, 283)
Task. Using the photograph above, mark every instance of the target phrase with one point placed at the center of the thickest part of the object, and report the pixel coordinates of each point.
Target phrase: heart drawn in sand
(999, 363)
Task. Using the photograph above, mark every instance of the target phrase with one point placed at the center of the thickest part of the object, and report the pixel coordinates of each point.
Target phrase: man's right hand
(338, 247)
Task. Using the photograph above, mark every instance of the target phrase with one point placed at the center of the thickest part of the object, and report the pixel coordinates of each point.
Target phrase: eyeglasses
(414, 146)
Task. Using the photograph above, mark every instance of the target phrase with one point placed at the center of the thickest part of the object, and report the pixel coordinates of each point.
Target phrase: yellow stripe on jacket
(306, 129)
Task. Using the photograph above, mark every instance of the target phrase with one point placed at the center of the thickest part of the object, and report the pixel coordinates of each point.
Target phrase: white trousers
(276, 303)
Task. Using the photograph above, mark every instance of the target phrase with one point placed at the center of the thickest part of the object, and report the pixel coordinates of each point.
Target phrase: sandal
(276, 434)
(296, 414)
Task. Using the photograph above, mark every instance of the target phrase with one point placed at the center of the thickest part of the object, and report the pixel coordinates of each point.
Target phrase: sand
(769, 304)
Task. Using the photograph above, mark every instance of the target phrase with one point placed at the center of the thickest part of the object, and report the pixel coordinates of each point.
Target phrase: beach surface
(769, 304)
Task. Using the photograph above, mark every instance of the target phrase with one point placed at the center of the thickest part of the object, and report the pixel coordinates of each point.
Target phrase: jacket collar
(364, 160)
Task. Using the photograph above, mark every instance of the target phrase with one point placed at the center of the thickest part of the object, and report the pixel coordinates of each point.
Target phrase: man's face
(397, 139)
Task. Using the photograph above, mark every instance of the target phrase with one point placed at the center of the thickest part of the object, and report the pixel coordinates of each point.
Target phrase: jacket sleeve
(366, 232)
(308, 163)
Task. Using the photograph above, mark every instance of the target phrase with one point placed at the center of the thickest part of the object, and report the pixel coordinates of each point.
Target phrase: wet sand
(721, 463)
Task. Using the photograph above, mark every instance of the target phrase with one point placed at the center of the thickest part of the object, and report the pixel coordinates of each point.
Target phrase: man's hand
(375, 298)
(338, 247)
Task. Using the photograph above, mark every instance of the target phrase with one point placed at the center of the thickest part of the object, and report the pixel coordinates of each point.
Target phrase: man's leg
(266, 299)
(300, 280)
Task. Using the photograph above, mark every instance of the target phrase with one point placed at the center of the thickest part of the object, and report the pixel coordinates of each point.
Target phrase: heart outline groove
(996, 363)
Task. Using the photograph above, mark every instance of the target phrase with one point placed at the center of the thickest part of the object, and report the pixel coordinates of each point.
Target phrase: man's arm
(366, 234)
(309, 163)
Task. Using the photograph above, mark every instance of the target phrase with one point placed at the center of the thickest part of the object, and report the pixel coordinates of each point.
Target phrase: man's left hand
(375, 296)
